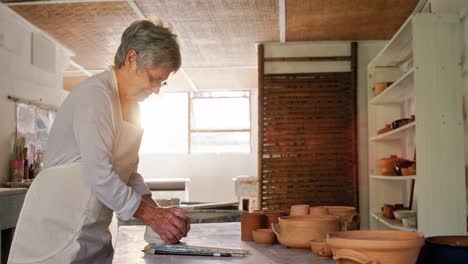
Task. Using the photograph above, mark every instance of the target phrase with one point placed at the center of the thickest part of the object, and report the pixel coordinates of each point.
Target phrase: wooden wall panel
(307, 138)
(309, 20)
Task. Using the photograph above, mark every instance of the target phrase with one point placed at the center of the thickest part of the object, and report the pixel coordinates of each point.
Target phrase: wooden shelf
(393, 178)
(393, 134)
(394, 224)
(399, 91)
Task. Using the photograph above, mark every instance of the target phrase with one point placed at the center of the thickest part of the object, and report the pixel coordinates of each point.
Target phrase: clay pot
(387, 164)
(300, 209)
(321, 249)
(375, 247)
(400, 122)
(385, 129)
(264, 236)
(379, 87)
(272, 217)
(348, 218)
(249, 223)
(388, 211)
(298, 231)
(318, 210)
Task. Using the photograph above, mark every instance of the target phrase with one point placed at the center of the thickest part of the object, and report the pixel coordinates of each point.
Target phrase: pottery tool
(201, 254)
(184, 249)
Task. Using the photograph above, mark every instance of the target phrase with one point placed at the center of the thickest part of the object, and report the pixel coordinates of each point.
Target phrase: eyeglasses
(155, 82)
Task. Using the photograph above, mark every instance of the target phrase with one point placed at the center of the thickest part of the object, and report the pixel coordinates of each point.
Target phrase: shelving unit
(393, 178)
(432, 90)
(394, 134)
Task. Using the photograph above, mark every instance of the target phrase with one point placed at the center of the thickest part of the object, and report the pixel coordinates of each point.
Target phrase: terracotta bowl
(379, 87)
(348, 217)
(375, 247)
(300, 209)
(264, 236)
(387, 164)
(321, 249)
(298, 231)
(318, 210)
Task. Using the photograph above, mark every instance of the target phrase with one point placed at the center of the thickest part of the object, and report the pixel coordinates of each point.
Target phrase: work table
(130, 242)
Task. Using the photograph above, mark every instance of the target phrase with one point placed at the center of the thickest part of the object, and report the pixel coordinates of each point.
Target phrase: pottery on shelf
(300, 209)
(400, 122)
(387, 164)
(384, 130)
(321, 249)
(298, 231)
(347, 216)
(400, 214)
(375, 247)
(379, 87)
(249, 223)
(264, 236)
(388, 210)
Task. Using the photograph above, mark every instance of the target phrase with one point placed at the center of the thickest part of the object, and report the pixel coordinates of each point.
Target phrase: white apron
(62, 221)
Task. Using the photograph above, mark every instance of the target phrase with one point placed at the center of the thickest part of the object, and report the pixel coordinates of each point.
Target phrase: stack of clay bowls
(297, 231)
(375, 247)
(349, 219)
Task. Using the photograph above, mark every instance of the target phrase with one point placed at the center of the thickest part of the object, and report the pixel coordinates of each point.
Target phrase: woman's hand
(170, 223)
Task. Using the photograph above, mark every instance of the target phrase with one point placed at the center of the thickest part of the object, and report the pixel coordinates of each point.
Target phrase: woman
(92, 159)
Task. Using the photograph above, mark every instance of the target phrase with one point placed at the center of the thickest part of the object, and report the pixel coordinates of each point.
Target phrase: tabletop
(130, 242)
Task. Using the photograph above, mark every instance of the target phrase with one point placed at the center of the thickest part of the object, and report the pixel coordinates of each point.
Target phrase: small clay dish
(264, 236)
(321, 249)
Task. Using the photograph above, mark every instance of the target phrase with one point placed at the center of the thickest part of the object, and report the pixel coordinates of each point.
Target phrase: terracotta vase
(298, 231)
(264, 236)
(249, 223)
(375, 247)
(321, 249)
(348, 217)
(300, 209)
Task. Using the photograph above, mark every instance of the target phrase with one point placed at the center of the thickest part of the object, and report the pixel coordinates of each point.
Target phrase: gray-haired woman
(92, 157)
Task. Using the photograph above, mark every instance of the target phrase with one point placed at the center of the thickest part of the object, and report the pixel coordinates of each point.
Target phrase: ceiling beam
(282, 20)
(79, 67)
(136, 9)
(56, 2)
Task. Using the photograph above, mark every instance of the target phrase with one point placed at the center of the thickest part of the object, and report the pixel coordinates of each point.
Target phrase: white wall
(460, 8)
(20, 78)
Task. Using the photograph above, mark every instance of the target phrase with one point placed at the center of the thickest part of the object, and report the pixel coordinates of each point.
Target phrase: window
(220, 122)
(165, 120)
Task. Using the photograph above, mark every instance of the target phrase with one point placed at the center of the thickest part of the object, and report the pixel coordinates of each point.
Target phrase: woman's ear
(131, 58)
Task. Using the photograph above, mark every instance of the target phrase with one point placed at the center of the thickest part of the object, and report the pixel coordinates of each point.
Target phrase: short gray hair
(154, 44)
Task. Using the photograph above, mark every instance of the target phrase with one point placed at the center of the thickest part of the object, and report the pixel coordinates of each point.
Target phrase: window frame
(190, 130)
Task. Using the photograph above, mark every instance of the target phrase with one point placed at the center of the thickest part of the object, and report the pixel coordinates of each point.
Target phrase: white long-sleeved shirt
(84, 130)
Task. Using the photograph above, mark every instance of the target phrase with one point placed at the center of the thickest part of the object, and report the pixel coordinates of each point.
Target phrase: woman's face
(147, 81)
(144, 82)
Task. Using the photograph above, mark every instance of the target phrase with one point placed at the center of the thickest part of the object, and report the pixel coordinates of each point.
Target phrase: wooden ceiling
(213, 33)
